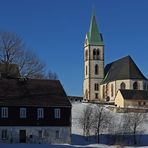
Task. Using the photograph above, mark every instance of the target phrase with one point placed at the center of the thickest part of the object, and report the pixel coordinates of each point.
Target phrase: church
(120, 82)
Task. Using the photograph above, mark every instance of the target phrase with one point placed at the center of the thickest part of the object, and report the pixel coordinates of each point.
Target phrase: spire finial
(93, 10)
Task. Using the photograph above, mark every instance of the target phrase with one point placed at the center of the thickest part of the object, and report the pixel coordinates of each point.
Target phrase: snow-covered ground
(77, 138)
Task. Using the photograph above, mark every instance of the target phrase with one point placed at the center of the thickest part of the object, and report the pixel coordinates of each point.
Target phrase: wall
(119, 101)
(49, 134)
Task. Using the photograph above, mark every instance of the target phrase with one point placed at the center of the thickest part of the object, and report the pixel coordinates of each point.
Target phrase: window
(86, 94)
(97, 54)
(96, 87)
(40, 134)
(104, 91)
(96, 95)
(94, 54)
(4, 112)
(40, 113)
(135, 85)
(112, 90)
(4, 134)
(122, 85)
(57, 134)
(86, 55)
(57, 113)
(86, 70)
(96, 69)
(22, 112)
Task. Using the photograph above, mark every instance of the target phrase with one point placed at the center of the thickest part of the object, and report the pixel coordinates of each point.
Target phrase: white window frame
(22, 112)
(57, 113)
(40, 113)
(4, 134)
(4, 112)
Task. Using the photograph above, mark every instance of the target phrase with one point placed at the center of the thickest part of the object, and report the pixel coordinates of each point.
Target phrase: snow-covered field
(77, 139)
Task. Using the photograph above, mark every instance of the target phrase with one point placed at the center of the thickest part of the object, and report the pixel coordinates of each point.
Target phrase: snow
(77, 138)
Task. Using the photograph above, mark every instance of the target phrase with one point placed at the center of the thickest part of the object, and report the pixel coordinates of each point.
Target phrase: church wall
(117, 85)
(127, 83)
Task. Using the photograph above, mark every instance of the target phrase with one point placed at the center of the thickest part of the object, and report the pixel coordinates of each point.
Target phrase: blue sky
(55, 31)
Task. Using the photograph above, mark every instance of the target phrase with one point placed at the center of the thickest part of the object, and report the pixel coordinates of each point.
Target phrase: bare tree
(52, 75)
(101, 120)
(86, 120)
(13, 51)
(132, 124)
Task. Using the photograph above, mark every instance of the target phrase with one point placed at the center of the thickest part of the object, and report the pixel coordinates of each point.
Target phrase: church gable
(122, 69)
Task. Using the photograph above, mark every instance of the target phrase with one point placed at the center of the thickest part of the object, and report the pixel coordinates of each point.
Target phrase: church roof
(134, 94)
(124, 68)
(94, 36)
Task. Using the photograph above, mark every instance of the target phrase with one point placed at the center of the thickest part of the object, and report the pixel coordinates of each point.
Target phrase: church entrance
(22, 136)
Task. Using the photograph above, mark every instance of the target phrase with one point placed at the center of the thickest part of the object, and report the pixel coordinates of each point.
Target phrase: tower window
(96, 69)
(86, 55)
(96, 95)
(104, 91)
(112, 90)
(86, 70)
(96, 86)
(97, 54)
(94, 54)
(122, 85)
(86, 94)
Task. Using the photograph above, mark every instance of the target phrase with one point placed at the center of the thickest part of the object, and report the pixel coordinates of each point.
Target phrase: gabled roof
(134, 94)
(94, 37)
(32, 92)
(124, 68)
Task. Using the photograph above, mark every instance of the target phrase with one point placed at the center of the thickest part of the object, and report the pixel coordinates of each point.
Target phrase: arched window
(112, 90)
(86, 70)
(135, 85)
(86, 55)
(107, 88)
(97, 54)
(94, 54)
(103, 92)
(96, 69)
(122, 85)
(86, 94)
(96, 86)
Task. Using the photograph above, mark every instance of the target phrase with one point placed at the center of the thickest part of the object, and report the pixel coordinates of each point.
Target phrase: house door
(22, 136)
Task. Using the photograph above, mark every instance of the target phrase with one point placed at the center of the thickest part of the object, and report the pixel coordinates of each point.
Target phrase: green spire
(94, 36)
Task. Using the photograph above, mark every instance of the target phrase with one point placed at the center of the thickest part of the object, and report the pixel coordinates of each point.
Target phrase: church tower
(93, 62)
